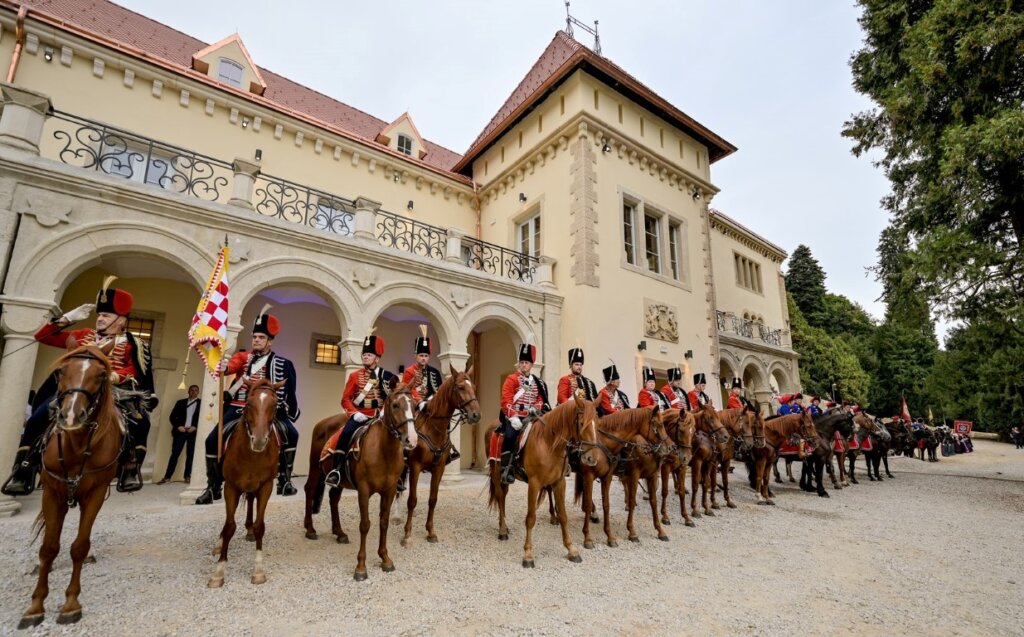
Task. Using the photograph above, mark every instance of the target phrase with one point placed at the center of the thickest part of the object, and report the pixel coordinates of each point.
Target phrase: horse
(881, 439)
(680, 427)
(249, 468)
(615, 441)
(79, 461)
(820, 458)
(865, 431)
(314, 489)
(433, 429)
(793, 428)
(710, 445)
(645, 463)
(544, 459)
(739, 424)
(375, 469)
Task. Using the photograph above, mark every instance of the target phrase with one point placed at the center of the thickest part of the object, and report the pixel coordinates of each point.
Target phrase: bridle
(395, 429)
(438, 450)
(760, 441)
(678, 447)
(257, 445)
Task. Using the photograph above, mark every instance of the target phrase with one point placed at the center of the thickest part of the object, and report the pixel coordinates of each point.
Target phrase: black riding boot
(23, 473)
(402, 478)
(213, 482)
(333, 479)
(129, 475)
(284, 476)
(508, 474)
(453, 454)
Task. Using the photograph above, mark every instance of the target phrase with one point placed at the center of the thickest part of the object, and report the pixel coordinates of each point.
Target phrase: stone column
(25, 112)
(764, 399)
(208, 418)
(545, 275)
(453, 251)
(366, 219)
(453, 472)
(20, 319)
(246, 173)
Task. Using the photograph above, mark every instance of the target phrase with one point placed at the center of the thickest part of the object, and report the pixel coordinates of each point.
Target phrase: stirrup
(333, 479)
(129, 480)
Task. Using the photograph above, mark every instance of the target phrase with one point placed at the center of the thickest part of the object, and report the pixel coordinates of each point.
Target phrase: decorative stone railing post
(25, 112)
(786, 338)
(453, 249)
(453, 472)
(730, 323)
(764, 400)
(545, 276)
(246, 173)
(366, 219)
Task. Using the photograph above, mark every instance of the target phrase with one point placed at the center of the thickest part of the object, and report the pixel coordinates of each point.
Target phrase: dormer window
(230, 72)
(405, 144)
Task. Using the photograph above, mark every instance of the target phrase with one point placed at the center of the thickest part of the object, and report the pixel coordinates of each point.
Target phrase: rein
(453, 422)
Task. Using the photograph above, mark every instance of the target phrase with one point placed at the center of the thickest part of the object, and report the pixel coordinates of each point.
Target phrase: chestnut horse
(680, 427)
(707, 450)
(434, 428)
(79, 461)
(615, 439)
(249, 469)
(739, 424)
(795, 428)
(375, 470)
(646, 463)
(544, 458)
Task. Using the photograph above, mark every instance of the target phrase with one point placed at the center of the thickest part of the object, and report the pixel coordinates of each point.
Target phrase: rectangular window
(652, 242)
(324, 351)
(156, 170)
(230, 72)
(641, 127)
(674, 252)
(405, 144)
(529, 236)
(748, 274)
(142, 329)
(628, 231)
(561, 105)
(596, 99)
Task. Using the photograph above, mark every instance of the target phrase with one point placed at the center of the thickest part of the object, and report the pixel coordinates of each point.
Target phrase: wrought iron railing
(743, 327)
(281, 199)
(113, 151)
(731, 324)
(494, 259)
(768, 335)
(409, 235)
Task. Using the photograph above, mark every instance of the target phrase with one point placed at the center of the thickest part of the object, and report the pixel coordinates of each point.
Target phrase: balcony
(99, 147)
(732, 326)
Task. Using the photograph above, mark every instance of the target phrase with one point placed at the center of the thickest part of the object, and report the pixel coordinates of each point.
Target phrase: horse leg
(386, 499)
(705, 485)
(364, 528)
(713, 475)
(54, 510)
(71, 612)
(819, 477)
(588, 502)
(340, 536)
(553, 517)
(725, 485)
(563, 520)
(435, 486)
(652, 486)
(832, 473)
(885, 460)
(250, 536)
(259, 576)
(775, 468)
(414, 477)
(606, 505)
(789, 470)
(680, 484)
(231, 497)
(531, 519)
(632, 482)
(314, 482)
(853, 463)
(841, 461)
(666, 471)
(876, 462)
(695, 474)
(500, 492)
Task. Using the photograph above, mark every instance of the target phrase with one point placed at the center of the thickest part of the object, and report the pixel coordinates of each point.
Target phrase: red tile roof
(161, 41)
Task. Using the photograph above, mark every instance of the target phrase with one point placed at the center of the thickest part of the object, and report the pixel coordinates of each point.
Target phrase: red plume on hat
(266, 323)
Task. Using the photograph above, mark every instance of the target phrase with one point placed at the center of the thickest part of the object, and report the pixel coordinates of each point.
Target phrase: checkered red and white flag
(208, 335)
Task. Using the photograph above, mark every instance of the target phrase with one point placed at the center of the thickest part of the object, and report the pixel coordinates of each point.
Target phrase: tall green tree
(805, 281)
(825, 360)
(947, 78)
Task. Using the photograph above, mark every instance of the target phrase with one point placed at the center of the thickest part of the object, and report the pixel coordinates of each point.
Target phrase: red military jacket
(651, 399)
(735, 402)
(519, 393)
(121, 359)
(367, 401)
(697, 399)
(675, 401)
(612, 402)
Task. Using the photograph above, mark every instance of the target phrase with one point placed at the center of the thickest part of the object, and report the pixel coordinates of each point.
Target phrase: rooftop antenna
(570, 21)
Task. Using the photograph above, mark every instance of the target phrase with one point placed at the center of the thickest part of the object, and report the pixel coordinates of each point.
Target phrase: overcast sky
(770, 77)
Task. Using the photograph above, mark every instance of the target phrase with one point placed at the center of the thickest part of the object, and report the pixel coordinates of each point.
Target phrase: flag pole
(220, 413)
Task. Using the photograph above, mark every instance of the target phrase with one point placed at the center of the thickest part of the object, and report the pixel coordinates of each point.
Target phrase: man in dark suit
(184, 423)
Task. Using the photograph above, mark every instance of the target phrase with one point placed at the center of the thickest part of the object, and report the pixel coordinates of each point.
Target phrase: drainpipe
(479, 211)
(19, 43)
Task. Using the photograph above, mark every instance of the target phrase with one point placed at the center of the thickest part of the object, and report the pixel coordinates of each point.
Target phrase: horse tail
(38, 526)
(492, 495)
(578, 490)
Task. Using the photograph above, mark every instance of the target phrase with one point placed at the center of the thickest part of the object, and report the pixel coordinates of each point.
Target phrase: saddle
(494, 452)
(353, 445)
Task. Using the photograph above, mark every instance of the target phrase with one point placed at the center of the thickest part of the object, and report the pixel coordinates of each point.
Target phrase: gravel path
(931, 552)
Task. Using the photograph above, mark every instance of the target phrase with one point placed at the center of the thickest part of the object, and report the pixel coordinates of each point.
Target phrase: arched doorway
(725, 375)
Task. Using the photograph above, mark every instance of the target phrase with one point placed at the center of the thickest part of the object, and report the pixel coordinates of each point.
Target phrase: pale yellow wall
(732, 297)
(233, 52)
(404, 127)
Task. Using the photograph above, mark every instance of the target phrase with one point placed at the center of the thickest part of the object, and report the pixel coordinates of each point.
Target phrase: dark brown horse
(375, 470)
(434, 428)
(739, 424)
(680, 428)
(709, 447)
(615, 443)
(794, 428)
(544, 460)
(79, 461)
(250, 466)
(645, 462)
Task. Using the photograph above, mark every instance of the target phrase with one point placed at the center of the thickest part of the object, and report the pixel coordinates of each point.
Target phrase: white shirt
(190, 411)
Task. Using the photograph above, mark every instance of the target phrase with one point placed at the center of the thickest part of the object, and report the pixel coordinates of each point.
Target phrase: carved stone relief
(660, 321)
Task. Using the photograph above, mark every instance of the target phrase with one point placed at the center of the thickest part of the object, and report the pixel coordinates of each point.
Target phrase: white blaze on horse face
(69, 420)
(410, 424)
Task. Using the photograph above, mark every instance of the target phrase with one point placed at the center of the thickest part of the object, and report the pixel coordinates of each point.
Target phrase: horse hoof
(771, 503)
(89, 559)
(405, 541)
(663, 538)
(250, 537)
(696, 514)
(553, 521)
(432, 539)
(588, 544)
(635, 540)
(28, 621)
(311, 535)
(778, 481)
(387, 568)
(689, 523)
(342, 539)
(731, 505)
(70, 618)
(709, 513)
(715, 507)
(528, 564)
(259, 579)
(359, 576)
(503, 536)
(595, 519)
(666, 521)
(575, 558)
(613, 544)
(215, 582)
(762, 502)
(824, 494)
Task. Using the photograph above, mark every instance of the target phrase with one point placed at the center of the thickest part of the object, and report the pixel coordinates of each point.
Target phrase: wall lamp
(695, 193)
(688, 355)
(641, 346)
(245, 122)
(48, 54)
(409, 207)
(606, 147)
(259, 154)
(522, 197)
(396, 177)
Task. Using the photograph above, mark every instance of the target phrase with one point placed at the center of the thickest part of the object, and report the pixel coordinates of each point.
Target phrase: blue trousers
(37, 423)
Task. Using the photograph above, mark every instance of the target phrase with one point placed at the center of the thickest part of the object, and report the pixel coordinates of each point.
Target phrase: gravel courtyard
(935, 551)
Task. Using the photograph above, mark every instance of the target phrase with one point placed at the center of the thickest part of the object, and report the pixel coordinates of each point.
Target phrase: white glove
(422, 404)
(516, 423)
(80, 313)
(360, 417)
(534, 412)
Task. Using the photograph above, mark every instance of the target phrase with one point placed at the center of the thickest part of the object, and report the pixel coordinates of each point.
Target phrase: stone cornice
(747, 238)
(623, 146)
(756, 346)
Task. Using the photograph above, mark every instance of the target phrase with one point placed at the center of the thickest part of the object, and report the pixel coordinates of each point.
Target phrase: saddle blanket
(332, 442)
(838, 443)
(867, 445)
(788, 449)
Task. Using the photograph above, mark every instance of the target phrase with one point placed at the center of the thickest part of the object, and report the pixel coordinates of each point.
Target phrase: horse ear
(451, 369)
(469, 371)
(393, 383)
